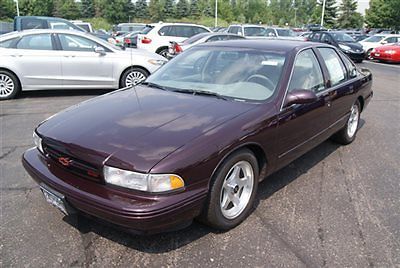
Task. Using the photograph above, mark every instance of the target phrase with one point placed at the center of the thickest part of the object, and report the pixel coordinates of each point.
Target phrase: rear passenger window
(307, 73)
(336, 69)
(165, 31)
(36, 42)
(351, 68)
(315, 37)
(234, 30)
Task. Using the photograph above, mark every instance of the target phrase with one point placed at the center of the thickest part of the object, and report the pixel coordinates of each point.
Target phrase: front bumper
(136, 212)
(355, 56)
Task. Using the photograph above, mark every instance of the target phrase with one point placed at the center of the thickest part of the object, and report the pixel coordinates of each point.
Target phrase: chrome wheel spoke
(6, 85)
(236, 189)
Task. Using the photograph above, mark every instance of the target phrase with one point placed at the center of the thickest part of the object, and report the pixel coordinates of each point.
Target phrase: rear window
(32, 23)
(255, 31)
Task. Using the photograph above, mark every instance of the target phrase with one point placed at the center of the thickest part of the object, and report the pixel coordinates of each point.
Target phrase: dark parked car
(196, 138)
(342, 41)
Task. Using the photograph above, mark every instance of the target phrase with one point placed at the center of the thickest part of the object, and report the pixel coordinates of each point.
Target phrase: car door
(301, 126)
(342, 83)
(36, 62)
(81, 66)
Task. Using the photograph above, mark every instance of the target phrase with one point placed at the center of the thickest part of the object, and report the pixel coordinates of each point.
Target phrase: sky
(362, 5)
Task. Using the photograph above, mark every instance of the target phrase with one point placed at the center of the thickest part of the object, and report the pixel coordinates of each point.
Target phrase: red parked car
(198, 136)
(389, 53)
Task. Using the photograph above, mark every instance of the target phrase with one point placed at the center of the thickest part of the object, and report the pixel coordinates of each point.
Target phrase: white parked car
(157, 37)
(177, 48)
(283, 33)
(248, 30)
(378, 40)
(65, 59)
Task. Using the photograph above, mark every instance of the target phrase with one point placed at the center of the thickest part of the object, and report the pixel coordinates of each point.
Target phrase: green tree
(349, 17)
(182, 9)
(116, 11)
(42, 7)
(87, 8)
(7, 9)
(142, 9)
(67, 9)
(194, 9)
(383, 14)
(330, 13)
(169, 8)
(156, 10)
(208, 11)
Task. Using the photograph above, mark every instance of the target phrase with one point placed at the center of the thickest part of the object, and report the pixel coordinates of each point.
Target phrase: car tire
(163, 52)
(348, 133)
(368, 54)
(9, 85)
(133, 76)
(232, 191)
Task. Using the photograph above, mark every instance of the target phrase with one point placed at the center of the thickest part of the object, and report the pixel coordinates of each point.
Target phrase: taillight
(146, 40)
(127, 41)
(177, 48)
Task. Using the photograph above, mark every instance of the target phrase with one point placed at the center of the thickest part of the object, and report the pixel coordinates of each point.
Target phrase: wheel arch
(127, 69)
(161, 48)
(10, 71)
(361, 101)
(258, 152)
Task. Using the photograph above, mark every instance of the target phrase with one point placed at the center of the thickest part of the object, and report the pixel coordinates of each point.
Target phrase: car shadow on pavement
(165, 242)
(62, 93)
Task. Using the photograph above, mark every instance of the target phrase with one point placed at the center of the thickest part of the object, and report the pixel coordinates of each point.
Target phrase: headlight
(391, 52)
(344, 47)
(154, 183)
(157, 62)
(37, 141)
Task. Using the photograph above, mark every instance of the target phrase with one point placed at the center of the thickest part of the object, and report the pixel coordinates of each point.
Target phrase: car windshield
(342, 37)
(236, 73)
(285, 32)
(254, 31)
(374, 39)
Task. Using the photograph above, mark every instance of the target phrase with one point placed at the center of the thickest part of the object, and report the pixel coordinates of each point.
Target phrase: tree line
(382, 13)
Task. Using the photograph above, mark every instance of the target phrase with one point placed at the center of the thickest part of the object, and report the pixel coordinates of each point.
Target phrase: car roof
(41, 31)
(175, 23)
(263, 44)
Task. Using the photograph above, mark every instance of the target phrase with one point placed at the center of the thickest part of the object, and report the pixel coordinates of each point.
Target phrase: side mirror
(300, 96)
(100, 50)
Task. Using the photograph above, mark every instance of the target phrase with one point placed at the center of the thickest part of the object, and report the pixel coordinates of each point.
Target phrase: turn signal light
(146, 40)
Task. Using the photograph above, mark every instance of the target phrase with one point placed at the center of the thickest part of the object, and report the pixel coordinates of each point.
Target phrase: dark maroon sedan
(196, 138)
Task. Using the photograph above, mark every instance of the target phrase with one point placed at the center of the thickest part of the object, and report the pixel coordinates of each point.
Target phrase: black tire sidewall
(214, 215)
(165, 50)
(122, 82)
(17, 86)
(342, 137)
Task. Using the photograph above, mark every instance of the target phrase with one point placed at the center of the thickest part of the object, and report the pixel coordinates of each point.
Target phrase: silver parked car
(65, 59)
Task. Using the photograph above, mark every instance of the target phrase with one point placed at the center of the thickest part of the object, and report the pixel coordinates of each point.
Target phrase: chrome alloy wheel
(236, 189)
(352, 124)
(134, 78)
(6, 86)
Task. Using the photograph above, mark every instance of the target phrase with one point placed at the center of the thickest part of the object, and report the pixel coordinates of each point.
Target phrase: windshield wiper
(150, 84)
(200, 92)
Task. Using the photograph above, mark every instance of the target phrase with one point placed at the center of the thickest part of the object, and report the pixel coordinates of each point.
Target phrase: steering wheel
(257, 77)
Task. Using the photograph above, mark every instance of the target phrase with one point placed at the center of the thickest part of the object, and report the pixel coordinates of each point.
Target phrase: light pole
(323, 13)
(216, 13)
(17, 8)
(295, 16)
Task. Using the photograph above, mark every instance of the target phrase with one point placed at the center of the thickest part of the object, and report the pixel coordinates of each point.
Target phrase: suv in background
(248, 30)
(157, 37)
(283, 33)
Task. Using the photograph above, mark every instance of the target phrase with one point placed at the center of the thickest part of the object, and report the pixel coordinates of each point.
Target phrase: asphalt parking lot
(335, 206)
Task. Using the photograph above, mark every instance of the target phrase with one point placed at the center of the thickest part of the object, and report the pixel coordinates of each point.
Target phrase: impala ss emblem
(65, 161)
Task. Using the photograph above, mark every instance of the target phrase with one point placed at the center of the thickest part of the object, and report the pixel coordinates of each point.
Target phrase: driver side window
(307, 73)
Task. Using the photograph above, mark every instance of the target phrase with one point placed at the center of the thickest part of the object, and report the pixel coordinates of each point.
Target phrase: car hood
(353, 45)
(135, 128)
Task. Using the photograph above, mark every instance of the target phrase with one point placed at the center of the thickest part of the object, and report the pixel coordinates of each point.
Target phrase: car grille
(61, 158)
